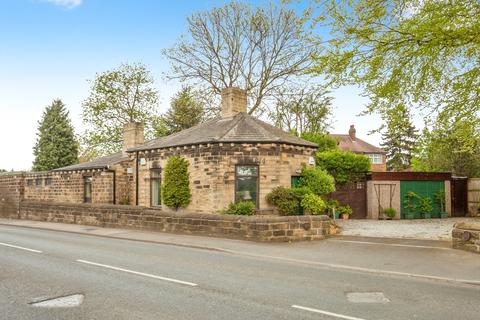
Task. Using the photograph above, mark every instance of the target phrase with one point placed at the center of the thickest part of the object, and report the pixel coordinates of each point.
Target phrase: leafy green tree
(176, 185)
(119, 96)
(452, 144)
(399, 136)
(324, 141)
(316, 180)
(257, 49)
(306, 109)
(185, 111)
(343, 166)
(56, 145)
(424, 53)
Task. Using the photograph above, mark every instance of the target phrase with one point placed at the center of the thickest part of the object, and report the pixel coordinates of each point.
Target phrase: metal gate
(459, 196)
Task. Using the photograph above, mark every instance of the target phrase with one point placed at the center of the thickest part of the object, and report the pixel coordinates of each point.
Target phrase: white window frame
(375, 158)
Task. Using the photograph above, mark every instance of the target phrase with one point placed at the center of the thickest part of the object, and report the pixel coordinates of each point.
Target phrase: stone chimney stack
(133, 136)
(234, 100)
(352, 133)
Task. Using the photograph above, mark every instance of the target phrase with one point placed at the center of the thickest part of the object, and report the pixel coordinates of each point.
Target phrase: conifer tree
(176, 185)
(399, 136)
(56, 145)
(185, 111)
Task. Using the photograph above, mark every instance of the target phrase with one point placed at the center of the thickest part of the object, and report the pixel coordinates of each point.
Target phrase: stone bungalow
(232, 157)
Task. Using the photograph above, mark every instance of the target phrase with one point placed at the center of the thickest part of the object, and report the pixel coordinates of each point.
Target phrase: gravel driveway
(429, 229)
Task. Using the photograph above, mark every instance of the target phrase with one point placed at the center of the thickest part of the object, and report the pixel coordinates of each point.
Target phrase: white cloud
(69, 4)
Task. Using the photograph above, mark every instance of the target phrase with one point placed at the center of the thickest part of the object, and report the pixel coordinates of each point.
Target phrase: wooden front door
(459, 196)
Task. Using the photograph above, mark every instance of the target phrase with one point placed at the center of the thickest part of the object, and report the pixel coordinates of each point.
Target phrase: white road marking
(359, 269)
(327, 313)
(18, 247)
(391, 244)
(138, 273)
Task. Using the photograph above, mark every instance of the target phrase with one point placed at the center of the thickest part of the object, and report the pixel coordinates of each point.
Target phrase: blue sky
(50, 48)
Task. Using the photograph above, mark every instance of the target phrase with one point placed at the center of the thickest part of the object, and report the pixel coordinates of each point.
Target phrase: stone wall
(466, 236)
(11, 193)
(474, 197)
(68, 186)
(212, 171)
(258, 228)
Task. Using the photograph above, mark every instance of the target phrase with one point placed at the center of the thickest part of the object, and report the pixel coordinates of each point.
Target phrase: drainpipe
(114, 177)
(136, 178)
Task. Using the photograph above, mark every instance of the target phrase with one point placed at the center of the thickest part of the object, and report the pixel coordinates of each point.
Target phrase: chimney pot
(352, 133)
(133, 136)
(234, 101)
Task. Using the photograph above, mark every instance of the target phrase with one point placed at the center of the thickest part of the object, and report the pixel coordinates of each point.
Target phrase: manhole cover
(367, 297)
(69, 301)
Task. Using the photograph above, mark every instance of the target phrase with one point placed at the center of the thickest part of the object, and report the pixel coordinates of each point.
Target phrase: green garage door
(422, 189)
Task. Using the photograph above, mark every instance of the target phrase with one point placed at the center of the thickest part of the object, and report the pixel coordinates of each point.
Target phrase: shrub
(285, 199)
(345, 210)
(176, 185)
(409, 201)
(440, 198)
(425, 205)
(314, 204)
(318, 181)
(243, 208)
(332, 205)
(390, 212)
(301, 192)
(343, 166)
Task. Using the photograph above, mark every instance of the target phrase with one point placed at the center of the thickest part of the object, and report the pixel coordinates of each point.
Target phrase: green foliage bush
(175, 188)
(440, 198)
(243, 208)
(314, 204)
(425, 205)
(343, 166)
(318, 181)
(285, 199)
(390, 212)
(324, 141)
(345, 210)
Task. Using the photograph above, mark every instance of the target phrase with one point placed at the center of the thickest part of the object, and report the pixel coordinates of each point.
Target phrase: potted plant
(425, 207)
(332, 206)
(409, 204)
(389, 213)
(440, 198)
(345, 211)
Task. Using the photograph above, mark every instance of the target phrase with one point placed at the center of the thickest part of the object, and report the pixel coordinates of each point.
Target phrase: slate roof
(99, 163)
(239, 128)
(346, 143)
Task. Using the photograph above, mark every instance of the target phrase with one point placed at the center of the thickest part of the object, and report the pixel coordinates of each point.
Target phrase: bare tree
(255, 49)
(302, 109)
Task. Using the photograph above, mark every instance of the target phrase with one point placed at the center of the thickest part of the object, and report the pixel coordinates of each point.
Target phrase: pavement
(422, 229)
(128, 274)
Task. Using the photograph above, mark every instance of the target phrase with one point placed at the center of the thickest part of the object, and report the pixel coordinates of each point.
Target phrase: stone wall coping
(182, 214)
(475, 226)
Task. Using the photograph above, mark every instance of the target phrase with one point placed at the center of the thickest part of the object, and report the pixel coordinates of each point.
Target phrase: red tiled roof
(346, 143)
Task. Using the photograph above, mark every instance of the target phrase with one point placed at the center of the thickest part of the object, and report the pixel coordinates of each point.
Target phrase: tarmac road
(123, 279)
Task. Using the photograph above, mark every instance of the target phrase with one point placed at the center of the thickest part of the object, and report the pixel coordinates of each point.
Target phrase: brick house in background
(232, 157)
(350, 142)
